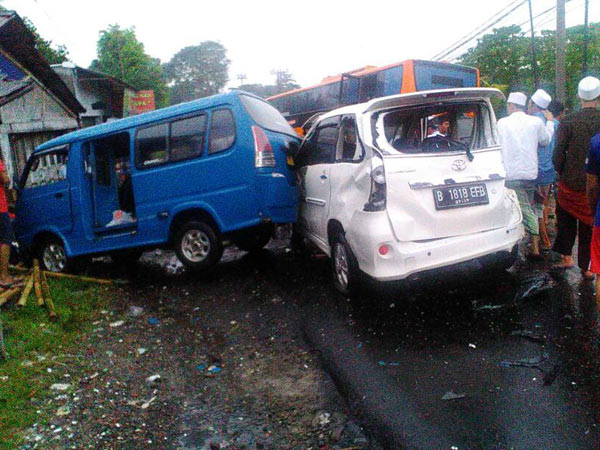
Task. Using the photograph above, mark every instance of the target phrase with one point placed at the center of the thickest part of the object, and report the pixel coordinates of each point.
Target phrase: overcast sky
(311, 39)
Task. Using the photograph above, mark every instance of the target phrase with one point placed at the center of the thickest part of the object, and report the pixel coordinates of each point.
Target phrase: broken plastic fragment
(452, 396)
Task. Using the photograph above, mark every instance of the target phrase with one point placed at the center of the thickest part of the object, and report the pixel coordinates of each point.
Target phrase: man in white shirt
(443, 126)
(520, 135)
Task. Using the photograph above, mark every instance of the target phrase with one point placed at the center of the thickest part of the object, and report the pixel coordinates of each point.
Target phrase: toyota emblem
(459, 165)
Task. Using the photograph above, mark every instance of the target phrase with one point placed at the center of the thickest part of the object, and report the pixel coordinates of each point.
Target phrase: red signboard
(140, 102)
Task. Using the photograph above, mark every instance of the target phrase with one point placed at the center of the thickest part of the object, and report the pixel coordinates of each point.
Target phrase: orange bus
(369, 82)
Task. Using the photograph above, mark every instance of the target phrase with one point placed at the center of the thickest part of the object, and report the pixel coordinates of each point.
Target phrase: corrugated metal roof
(11, 89)
(18, 42)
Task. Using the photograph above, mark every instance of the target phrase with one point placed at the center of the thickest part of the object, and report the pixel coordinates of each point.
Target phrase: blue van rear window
(266, 115)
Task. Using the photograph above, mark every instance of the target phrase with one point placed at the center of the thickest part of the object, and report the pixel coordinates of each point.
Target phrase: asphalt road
(457, 359)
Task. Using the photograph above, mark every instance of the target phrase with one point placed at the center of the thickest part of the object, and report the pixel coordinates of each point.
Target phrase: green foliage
(52, 55)
(284, 82)
(121, 55)
(504, 57)
(197, 71)
(30, 336)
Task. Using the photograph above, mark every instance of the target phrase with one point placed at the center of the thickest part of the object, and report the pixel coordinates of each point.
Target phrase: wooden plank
(48, 299)
(25, 295)
(37, 286)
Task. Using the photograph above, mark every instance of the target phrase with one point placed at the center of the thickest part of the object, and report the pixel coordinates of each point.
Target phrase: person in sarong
(574, 216)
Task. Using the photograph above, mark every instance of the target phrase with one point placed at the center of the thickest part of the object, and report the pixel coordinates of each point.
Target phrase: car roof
(414, 98)
(142, 119)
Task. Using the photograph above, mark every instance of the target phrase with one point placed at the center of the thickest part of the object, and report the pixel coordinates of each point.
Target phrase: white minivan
(408, 183)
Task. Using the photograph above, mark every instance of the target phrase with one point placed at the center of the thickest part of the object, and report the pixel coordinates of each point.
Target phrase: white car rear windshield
(436, 128)
(266, 115)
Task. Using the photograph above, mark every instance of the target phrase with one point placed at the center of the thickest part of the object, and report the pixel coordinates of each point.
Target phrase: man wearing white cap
(520, 135)
(538, 104)
(573, 213)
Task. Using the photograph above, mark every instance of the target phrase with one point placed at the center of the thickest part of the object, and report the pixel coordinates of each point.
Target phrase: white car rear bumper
(368, 231)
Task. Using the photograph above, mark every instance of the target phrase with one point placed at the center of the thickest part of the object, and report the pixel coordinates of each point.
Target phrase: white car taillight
(377, 196)
(263, 151)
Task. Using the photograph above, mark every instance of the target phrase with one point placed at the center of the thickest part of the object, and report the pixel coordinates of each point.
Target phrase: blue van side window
(187, 138)
(151, 145)
(222, 131)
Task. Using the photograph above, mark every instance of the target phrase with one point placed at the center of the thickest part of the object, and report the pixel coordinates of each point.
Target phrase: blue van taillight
(263, 151)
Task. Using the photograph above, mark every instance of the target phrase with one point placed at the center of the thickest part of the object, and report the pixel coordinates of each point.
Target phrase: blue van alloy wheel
(53, 255)
(197, 245)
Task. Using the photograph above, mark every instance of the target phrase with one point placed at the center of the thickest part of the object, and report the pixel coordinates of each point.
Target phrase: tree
(284, 82)
(52, 55)
(504, 58)
(121, 55)
(197, 71)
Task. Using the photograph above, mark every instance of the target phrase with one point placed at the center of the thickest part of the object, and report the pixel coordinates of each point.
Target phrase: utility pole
(533, 57)
(242, 77)
(561, 76)
(585, 39)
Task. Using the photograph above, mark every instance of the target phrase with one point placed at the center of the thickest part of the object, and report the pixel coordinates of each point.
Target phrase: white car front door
(315, 189)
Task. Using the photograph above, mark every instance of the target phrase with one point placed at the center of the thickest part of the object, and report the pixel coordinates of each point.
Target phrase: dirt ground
(182, 362)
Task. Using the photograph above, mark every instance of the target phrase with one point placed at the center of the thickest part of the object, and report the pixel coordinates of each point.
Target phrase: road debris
(136, 311)
(148, 403)
(153, 379)
(530, 335)
(60, 386)
(532, 285)
(530, 363)
(450, 395)
(116, 324)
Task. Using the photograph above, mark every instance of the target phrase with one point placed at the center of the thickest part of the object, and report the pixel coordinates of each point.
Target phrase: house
(102, 95)
(35, 103)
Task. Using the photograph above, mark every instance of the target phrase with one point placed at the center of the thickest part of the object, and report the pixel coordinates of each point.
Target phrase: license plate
(459, 196)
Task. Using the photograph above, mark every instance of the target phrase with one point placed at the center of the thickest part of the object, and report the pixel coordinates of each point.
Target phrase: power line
(477, 29)
(574, 6)
(478, 32)
(573, 3)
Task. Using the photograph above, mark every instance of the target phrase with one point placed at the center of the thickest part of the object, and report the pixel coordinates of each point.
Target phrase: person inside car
(443, 127)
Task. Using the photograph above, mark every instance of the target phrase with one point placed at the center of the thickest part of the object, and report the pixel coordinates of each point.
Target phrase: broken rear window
(436, 128)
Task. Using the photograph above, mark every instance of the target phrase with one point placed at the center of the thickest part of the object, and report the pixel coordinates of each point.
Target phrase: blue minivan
(190, 177)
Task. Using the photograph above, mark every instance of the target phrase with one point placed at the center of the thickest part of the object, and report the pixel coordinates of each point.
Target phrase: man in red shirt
(6, 232)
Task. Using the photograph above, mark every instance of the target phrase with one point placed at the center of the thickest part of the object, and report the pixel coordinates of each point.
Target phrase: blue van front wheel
(197, 245)
(53, 255)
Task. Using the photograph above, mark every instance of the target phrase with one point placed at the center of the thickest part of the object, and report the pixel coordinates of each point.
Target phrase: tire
(126, 258)
(254, 239)
(53, 256)
(197, 245)
(346, 275)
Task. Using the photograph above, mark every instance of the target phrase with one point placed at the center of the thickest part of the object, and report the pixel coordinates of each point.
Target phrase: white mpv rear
(385, 193)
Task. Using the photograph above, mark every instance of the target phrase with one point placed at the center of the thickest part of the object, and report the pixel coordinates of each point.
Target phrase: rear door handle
(59, 195)
(323, 177)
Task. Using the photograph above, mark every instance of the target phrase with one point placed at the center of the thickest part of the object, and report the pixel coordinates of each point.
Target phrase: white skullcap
(541, 98)
(589, 88)
(518, 98)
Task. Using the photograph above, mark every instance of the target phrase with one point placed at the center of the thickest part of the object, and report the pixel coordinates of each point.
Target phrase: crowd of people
(541, 149)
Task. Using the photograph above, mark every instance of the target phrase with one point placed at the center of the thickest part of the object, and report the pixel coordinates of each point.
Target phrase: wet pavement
(458, 359)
